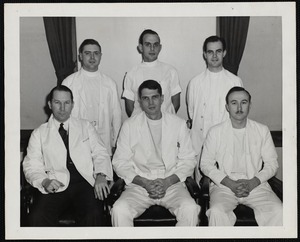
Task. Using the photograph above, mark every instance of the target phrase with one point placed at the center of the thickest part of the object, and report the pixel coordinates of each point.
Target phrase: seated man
(70, 171)
(154, 156)
(239, 157)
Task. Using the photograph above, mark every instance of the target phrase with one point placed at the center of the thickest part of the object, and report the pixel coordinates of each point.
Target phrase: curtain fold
(234, 30)
(61, 38)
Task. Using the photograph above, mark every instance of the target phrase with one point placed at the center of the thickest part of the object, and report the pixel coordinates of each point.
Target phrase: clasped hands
(243, 187)
(156, 188)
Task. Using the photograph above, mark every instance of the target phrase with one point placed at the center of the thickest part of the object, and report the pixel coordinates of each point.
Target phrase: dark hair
(88, 42)
(60, 88)
(147, 31)
(214, 38)
(150, 84)
(237, 89)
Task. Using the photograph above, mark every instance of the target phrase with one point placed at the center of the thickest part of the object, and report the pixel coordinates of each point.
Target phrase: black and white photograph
(150, 120)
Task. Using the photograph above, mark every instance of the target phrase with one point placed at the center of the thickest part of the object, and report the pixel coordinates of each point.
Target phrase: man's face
(214, 55)
(150, 102)
(61, 105)
(238, 105)
(150, 48)
(90, 57)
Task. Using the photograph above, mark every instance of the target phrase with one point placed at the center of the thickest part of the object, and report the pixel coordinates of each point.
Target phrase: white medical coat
(201, 89)
(109, 110)
(47, 155)
(259, 146)
(134, 148)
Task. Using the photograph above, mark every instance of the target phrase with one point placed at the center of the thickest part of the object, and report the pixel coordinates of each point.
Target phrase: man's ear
(226, 106)
(224, 53)
(140, 48)
(80, 56)
(162, 98)
(49, 105)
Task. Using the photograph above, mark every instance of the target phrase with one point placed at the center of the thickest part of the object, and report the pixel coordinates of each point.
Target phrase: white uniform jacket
(165, 74)
(47, 156)
(202, 91)
(259, 146)
(133, 148)
(109, 121)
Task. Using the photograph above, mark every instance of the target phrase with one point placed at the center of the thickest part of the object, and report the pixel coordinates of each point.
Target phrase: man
(95, 95)
(206, 94)
(239, 157)
(154, 156)
(67, 162)
(151, 68)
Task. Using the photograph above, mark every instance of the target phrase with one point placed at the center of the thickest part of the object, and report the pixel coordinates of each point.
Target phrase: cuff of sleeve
(176, 90)
(128, 94)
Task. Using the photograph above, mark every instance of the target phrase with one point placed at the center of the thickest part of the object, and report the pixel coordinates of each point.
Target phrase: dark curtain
(234, 30)
(61, 38)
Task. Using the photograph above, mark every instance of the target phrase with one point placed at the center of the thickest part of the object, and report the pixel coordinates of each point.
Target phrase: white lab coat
(165, 74)
(109, 121)
(260, 160)
(259, 146)
(201, 89)
(134, 148)
(47, 155)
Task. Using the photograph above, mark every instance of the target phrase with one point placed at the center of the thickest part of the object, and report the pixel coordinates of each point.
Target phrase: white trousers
(266, 205)
(135, 200)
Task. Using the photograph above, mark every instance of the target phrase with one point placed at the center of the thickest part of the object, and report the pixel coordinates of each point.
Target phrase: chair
(244, 214)
(155, 215)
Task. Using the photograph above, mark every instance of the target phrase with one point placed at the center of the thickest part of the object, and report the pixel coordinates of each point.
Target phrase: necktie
(63, 134)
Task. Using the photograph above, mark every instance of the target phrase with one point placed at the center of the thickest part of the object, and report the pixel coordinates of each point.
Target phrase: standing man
(95, 95)
(67, 162)
(154, 156)
(239, 157)
(206, 94)
(151, 68)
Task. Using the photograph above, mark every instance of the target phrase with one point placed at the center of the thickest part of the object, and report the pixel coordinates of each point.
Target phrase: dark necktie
(74, 174)
(63, 134)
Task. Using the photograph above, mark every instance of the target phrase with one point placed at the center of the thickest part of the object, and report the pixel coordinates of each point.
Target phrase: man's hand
(101, 187)
(250, 184)
(51, 186)
(239, 188)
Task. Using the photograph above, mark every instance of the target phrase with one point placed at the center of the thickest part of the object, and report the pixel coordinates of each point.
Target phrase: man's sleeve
(122, 160)
(175, 83)
(269, 157)
(190, 99)
(100, 156)
(128, 86)
(33, 164)
(186, 154)
(208, 158)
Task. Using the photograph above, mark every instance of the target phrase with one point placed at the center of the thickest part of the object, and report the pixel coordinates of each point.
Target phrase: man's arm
(99, 154)
(186, 161)
(176, 101)
(34, 167)
(129, 106)
(122, 159)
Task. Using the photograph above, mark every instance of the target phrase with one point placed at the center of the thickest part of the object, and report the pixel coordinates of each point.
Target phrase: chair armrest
(276, 186)
(204, 184)
(116, 190)
(192, 187)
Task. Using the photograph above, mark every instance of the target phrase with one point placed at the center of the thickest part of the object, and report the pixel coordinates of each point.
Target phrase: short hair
(61, 88)
(88, 42)
(237, 89)
(214, 38)
(147, 31)
(150, 84)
